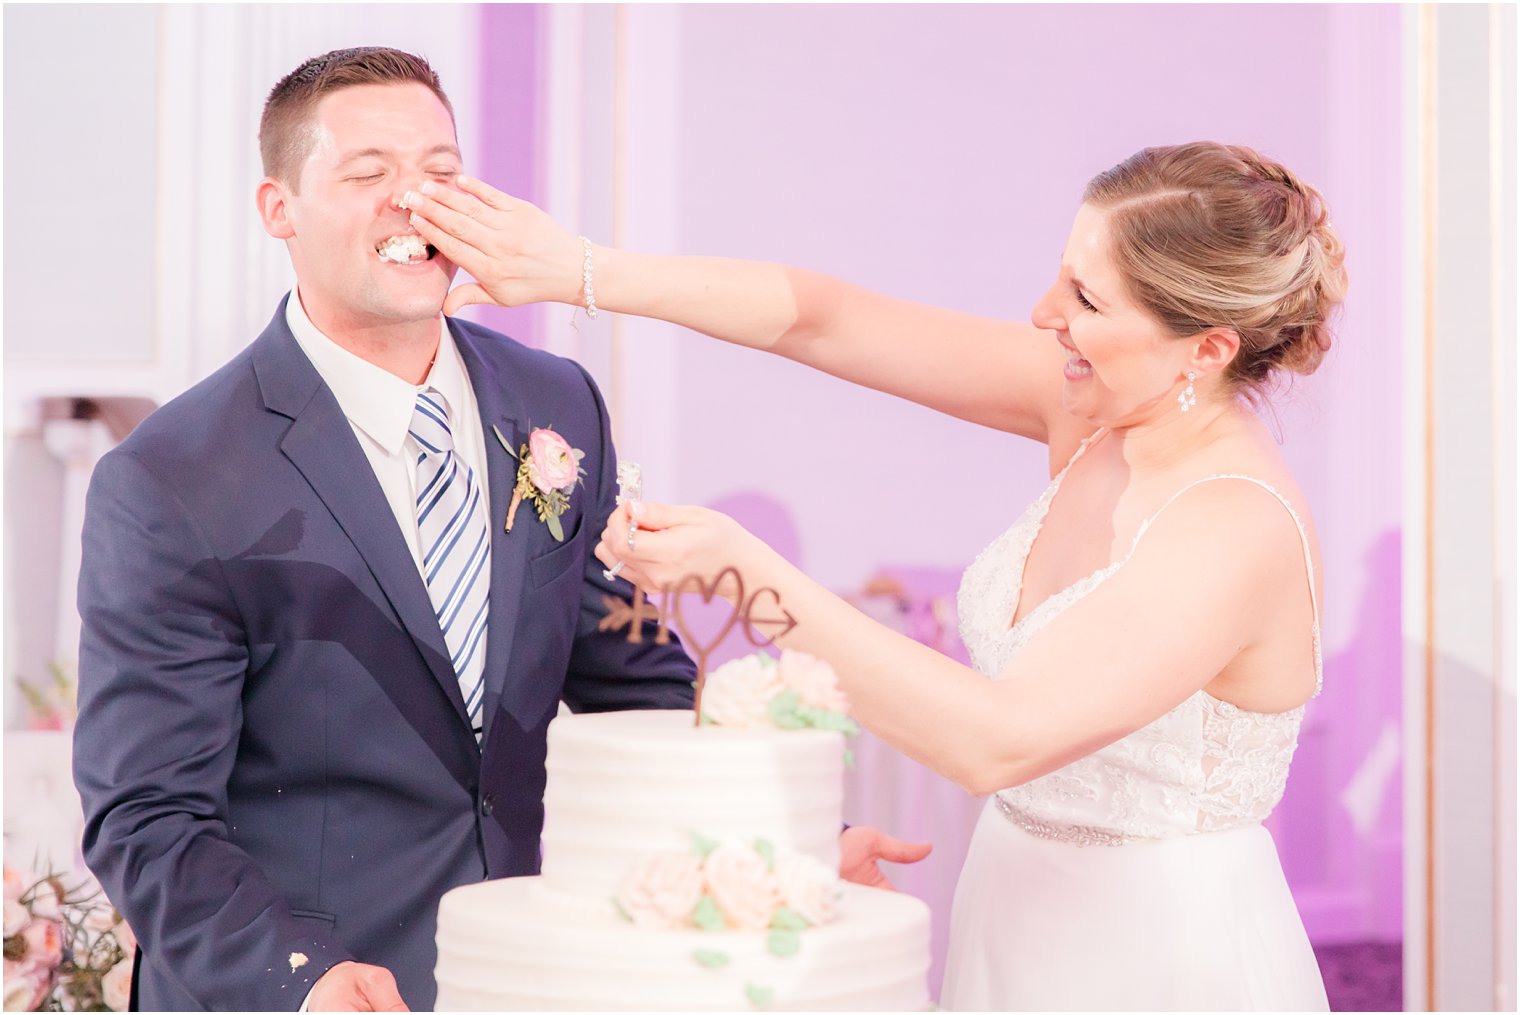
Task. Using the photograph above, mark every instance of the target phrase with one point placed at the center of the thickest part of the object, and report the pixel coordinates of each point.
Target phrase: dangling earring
(1187, 399)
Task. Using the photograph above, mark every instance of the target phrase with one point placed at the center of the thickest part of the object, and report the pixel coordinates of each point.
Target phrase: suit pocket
(545, 568)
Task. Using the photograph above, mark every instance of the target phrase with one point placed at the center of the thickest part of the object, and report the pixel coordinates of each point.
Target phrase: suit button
(487, 805)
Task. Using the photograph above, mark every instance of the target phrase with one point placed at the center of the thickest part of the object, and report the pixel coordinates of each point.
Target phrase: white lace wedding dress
(1139, 877)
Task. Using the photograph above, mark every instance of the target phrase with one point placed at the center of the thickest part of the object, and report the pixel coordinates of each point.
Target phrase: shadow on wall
(1339, 828)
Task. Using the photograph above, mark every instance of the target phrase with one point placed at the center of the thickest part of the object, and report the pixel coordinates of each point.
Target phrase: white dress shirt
(379, 407)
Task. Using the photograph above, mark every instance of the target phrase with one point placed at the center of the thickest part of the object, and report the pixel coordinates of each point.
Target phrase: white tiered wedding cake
(685, 868)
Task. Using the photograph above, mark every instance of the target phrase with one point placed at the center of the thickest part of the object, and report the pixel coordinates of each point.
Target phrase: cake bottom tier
(508, 945)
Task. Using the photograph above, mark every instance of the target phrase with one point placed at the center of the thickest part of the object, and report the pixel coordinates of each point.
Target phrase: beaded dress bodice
(1206, 765)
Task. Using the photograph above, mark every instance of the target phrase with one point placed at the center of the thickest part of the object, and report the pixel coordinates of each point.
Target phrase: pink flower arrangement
(731, 886)
(64, 947)
(756, 691)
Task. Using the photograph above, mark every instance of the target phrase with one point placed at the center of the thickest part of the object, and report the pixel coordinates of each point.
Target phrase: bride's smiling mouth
(1076, 367)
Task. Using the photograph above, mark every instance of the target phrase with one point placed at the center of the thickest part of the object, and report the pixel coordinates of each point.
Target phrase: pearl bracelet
(586, 285)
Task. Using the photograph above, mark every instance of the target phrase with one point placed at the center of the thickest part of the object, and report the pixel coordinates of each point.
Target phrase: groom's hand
(354, 986)
(860, 848)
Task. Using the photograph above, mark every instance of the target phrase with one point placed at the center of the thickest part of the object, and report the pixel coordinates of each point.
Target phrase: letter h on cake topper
(622, 613)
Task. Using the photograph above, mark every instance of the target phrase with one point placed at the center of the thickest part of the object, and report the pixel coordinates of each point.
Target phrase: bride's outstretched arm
(1191, 599)
(1003, 374)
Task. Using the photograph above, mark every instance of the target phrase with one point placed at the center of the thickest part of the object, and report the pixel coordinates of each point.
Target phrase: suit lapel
(321, 444)
(500, 410)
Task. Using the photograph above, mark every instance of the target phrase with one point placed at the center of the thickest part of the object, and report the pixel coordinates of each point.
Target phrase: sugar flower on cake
(732, 886)
(816, 683)
(799, 692)
(663, 891)
(739, 693)
(807, 887)
(743, 886)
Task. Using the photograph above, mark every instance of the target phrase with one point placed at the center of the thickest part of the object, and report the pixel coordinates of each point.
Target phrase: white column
(1460, 567)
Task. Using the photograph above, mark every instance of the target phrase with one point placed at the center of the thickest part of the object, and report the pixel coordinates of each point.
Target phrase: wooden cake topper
(621, 613)
(748, 613)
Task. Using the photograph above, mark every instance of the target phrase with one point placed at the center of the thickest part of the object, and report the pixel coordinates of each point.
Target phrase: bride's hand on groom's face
(671, 542)
(517, 253)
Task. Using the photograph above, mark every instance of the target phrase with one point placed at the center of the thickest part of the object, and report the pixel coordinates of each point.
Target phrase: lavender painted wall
(511, 119)
(938, 153)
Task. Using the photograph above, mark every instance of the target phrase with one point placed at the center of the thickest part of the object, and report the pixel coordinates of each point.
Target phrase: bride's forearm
(925, 704)
(750, 303)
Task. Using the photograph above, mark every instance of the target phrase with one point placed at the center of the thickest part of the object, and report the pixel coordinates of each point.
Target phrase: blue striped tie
(456, 553)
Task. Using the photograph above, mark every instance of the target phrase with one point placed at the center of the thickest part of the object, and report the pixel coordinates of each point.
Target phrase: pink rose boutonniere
(548, 470)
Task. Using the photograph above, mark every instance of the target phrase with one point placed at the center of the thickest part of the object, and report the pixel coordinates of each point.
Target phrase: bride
(1145, 636)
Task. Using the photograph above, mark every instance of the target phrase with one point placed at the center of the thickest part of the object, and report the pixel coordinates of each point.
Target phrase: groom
(316, 669)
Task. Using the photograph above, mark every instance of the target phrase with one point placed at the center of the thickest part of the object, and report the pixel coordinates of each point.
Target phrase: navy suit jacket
(272, 750)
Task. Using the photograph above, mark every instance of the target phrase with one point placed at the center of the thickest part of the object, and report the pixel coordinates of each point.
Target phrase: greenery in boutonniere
(548, 471)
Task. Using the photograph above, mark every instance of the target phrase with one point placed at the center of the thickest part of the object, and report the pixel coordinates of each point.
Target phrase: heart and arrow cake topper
(750, 610)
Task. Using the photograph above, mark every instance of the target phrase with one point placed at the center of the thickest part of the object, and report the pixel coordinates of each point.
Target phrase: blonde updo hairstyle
(1213, 235)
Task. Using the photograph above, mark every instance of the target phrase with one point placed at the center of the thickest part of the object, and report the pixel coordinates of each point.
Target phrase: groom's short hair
(285, 134)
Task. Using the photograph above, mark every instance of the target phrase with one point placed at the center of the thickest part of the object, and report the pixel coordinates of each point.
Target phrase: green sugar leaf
(759, 997)
(783, 711)
(767, 852)
(782, 943)
(786, 918)
(702, 845)
(827, 719)
(710, 960)
(621, 911)
(849, 759)
(707, 916)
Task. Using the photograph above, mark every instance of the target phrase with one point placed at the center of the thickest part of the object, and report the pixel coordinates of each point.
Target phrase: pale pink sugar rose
(116, 985)
(552, 461)
(662, 892)
(742, 885)
(739, 693)
(814, 680)
(807, 887)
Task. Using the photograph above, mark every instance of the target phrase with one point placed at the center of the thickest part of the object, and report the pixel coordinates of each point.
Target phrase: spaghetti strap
(1303, 538)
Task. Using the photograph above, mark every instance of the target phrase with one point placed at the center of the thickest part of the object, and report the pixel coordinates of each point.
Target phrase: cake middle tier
(623, 786)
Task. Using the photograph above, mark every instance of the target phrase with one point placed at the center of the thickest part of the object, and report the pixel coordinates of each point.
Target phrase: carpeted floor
(1365, 976)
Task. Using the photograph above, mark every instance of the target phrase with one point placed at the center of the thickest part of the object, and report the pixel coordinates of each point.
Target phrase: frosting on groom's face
(356, 259)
